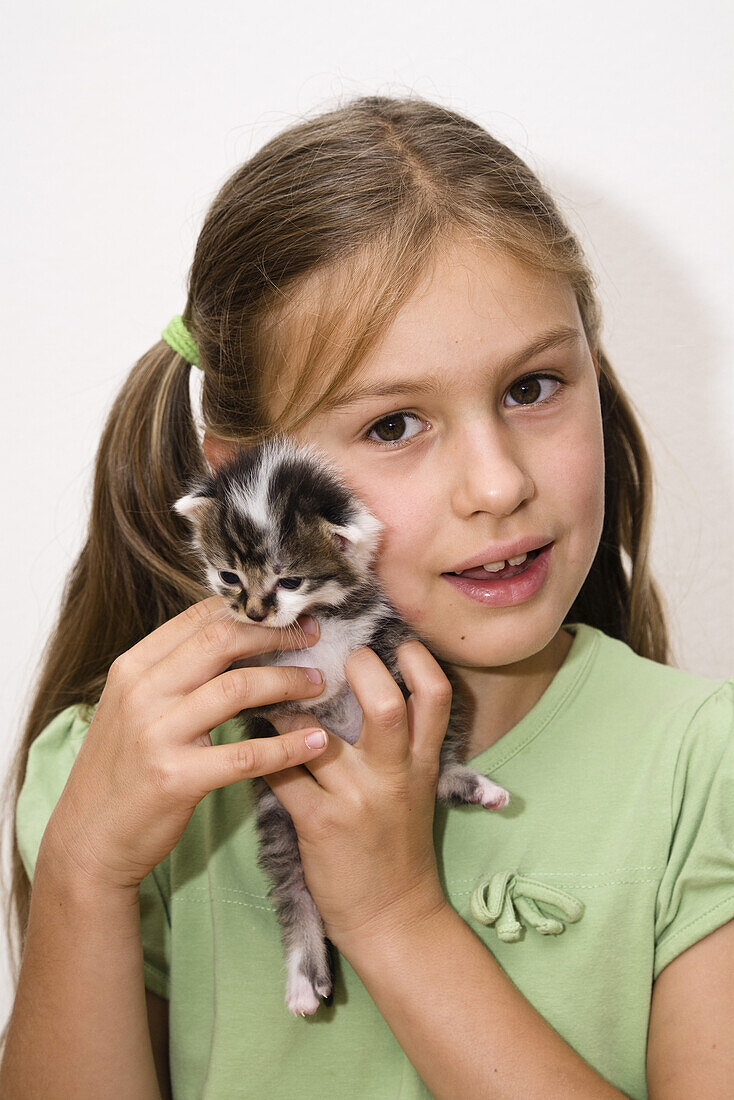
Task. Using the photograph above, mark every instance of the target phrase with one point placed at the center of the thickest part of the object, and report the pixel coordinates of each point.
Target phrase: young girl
(389, 281)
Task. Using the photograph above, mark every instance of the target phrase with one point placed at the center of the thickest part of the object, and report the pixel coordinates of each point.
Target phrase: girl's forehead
(490, 298)
(472, 307)
(471, 320)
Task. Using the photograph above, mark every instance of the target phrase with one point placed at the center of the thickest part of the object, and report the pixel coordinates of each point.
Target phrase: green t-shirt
(615, 854)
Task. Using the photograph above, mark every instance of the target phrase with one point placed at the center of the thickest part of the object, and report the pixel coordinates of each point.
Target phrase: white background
(120, 123)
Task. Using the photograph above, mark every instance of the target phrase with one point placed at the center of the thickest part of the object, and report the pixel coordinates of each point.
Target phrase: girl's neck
(503, 696)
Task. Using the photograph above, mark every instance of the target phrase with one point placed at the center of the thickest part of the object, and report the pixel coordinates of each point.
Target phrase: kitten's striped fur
(278, 512)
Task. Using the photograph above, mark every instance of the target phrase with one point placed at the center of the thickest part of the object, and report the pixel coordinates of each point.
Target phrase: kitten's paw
(491, 796)
(323, 989)
(300, 996)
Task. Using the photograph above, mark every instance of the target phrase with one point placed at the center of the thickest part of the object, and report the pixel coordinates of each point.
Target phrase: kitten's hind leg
(459, 784)
(306, 948)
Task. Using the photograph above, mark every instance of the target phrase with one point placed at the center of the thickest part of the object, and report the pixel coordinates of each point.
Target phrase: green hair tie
(180, 339)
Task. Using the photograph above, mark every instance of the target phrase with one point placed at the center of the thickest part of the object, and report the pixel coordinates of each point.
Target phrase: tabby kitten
(281, 535)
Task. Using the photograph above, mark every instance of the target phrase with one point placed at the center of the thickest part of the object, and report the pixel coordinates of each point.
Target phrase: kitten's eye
(229, 578)
(290, 582)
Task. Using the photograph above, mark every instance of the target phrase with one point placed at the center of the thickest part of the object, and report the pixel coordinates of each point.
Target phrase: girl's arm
(690, 1044)
(463, 1024)
(79, 1026)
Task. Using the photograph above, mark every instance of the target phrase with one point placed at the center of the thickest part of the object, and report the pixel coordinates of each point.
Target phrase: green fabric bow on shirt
(503, 897)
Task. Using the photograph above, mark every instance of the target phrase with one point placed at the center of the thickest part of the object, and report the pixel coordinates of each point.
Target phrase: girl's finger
(327, 768)
(160, 642)
(202, 655)
(169, 635)
(205, 768)
(225, 696)
(385, 735)
(295, 788)
(429, 703)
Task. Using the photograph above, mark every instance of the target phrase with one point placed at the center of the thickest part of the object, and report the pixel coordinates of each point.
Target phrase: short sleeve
(50, 760)
(696, 892)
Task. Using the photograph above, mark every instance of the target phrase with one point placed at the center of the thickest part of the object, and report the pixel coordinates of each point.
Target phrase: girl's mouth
(481, 574)
(513, 584)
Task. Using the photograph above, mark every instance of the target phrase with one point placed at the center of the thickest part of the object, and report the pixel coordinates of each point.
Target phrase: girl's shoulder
(623, 681)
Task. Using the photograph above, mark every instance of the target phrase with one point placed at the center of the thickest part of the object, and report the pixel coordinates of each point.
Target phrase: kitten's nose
(255, 611)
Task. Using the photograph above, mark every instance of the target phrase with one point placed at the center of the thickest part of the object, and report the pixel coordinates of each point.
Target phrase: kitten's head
(279, 532)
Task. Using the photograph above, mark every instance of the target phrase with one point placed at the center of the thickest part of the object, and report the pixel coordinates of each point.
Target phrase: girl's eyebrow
(433, 385)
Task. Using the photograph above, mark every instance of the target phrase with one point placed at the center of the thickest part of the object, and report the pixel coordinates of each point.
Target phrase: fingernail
(308, 624)
(314, 675)
(316, 739)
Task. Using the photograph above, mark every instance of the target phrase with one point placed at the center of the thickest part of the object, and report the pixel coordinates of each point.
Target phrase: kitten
(281, 535)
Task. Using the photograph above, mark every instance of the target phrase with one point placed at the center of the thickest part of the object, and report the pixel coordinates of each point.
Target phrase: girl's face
(478, 459)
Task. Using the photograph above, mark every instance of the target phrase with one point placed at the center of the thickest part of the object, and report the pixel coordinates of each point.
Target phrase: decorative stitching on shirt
(226, 890)
(207, 891)
(584, 874)
(594, 886)
(227, 901)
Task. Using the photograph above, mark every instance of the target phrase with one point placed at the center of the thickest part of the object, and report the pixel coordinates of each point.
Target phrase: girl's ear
(359, 539)
(216, 451)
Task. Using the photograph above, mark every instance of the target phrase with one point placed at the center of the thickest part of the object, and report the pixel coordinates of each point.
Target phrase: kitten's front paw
(491, 796)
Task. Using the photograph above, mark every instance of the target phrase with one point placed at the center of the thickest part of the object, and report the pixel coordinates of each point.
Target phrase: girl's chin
(483, 636)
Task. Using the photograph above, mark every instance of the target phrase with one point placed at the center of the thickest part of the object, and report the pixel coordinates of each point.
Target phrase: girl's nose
(491, 472)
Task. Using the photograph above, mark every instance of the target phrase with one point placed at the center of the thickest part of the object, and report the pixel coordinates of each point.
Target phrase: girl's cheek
(591, 462)
(402, 525)
(583, 479)
(406, 578)
(412, 613)
(575, 458)
(399, 510)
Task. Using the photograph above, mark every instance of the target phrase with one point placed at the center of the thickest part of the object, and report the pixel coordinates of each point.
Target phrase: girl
(392, 283)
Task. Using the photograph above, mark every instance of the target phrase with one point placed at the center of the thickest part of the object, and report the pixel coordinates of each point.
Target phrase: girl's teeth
(497, 566)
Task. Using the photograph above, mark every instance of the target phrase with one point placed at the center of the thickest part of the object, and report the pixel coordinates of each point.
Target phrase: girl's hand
(147, 758)
(364, 812)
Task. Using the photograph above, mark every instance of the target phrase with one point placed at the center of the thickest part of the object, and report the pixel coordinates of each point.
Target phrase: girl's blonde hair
(305, 257)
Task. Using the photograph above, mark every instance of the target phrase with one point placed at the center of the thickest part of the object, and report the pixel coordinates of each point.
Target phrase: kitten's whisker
(289, 636)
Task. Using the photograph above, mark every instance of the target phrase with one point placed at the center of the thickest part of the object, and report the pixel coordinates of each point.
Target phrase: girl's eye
(229, 578)
(394, 427)
(529, 382)
(290, 582)
(394, 423)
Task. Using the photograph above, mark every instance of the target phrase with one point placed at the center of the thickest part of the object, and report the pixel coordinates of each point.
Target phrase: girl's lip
(510, 590)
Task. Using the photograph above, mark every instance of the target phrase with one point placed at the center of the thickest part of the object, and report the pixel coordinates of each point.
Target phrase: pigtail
(135, 569)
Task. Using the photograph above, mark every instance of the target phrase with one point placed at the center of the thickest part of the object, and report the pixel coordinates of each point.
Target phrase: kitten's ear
(193, 506)
(359, 539)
